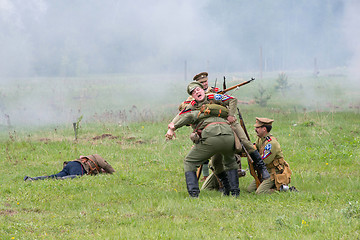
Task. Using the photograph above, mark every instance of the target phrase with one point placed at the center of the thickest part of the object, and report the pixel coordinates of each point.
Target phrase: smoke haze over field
(71, 38)
(352, 32)
(78, 38)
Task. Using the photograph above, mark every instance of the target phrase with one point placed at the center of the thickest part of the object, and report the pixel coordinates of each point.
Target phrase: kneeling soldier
(272, 155)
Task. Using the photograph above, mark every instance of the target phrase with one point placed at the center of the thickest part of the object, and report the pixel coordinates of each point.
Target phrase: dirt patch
(8, 212)
(129, 138)
(105, 135)
(45, 140)
(122, 141)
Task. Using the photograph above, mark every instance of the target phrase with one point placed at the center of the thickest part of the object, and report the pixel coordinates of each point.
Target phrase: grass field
(146, 197)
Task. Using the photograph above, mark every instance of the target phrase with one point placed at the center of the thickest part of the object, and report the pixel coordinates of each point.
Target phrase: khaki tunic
(271, 153)
(228, 102)
(211, 98)
(216, 138)
(269, 149)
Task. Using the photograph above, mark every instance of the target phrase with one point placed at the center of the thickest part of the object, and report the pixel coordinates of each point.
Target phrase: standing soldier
(231, 104)
(203, 79)
(212, 136)
(272, 155)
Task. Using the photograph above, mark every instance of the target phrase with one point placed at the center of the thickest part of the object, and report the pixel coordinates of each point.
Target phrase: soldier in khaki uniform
(215, 137)
(272, 155)
(203, 79)
(231, 104)
(91, 165)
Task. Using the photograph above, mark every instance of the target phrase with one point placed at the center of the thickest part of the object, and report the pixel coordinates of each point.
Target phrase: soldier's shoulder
(273, 141)
(270, 138)
(210, 96)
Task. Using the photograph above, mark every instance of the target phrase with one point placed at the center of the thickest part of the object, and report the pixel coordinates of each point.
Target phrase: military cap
(193, 85)
(263, 121)
(201, 77)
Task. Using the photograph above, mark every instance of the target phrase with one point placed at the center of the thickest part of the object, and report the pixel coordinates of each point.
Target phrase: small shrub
(308, 123)
(262, 98)
(282, 83)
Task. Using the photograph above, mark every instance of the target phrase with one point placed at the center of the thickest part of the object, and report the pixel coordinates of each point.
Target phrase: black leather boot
(225, 182)
(260, 165)
(192, 184)
(234, 182)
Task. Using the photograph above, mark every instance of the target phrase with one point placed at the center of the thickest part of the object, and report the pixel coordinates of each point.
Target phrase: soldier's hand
(171, 126)
(170, 134)
(231, 119)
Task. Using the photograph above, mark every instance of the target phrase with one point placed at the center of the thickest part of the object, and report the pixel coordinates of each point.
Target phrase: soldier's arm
(232, 104)
(269, 154)
(186, 117)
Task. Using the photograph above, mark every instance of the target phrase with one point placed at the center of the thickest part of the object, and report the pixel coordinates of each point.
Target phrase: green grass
(146, 198)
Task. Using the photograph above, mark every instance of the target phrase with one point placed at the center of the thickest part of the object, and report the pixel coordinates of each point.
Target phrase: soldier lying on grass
(90, 165)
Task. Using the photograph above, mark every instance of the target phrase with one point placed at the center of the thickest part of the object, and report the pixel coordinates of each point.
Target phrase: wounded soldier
(90, 165)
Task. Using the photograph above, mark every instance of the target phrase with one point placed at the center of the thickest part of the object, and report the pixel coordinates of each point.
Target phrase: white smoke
(352, 32)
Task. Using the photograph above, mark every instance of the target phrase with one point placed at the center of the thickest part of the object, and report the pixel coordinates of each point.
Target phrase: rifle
(198, 172)
(253, 172)
(236, 86)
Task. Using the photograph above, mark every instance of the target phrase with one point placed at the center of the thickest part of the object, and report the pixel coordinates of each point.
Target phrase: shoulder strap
(87, 161)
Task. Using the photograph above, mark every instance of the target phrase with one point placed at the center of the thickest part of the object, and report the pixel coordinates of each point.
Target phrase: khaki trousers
(267, 186)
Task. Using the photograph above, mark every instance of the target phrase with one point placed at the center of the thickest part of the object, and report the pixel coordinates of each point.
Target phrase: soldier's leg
(205, 170)
(27, 178)
(258, 162)
(266, 186)
(231, 167)
(225, 182)
(199, 154)
(217, 163)
(192, 184)
(241, 172)
(216, 146)
(71, 168)
(214, 182)
(68, 176)
(211, 183)
(218, 168)
(252, 187)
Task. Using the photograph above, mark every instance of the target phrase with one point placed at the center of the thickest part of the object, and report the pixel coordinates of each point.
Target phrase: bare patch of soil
(105, 135)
